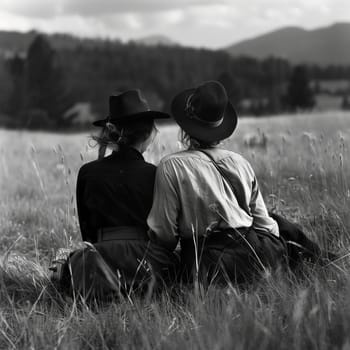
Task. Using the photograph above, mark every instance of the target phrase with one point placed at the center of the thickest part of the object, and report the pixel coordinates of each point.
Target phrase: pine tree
(345, 105)
(47, 98)
(233, 89)
(15, 103)
(300, 95)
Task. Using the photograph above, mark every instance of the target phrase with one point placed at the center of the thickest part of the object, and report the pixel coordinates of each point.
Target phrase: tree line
(37, 89)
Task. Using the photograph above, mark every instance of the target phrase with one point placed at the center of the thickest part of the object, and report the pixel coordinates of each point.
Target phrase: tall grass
(302, 167)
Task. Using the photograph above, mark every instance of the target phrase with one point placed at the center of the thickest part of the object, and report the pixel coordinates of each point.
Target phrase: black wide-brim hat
(205, 113)
(127, 107)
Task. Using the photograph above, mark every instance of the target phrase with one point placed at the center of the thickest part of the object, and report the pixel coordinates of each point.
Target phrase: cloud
(210, 23)
(92, 7)
(32, 8)
(95, 8)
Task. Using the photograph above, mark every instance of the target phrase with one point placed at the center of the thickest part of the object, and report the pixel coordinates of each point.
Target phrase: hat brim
(147, 115)
(198, 130)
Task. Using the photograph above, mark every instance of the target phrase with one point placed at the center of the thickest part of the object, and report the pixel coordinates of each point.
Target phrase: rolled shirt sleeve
(261, 218)
(163, 217)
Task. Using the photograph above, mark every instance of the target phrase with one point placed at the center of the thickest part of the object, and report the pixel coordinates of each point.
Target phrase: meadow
(302, 163)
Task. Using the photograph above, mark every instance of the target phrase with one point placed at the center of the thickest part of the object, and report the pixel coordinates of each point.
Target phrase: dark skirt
(109, 268)
(232, 256)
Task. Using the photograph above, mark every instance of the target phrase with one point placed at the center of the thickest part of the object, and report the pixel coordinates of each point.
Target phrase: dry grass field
(303, 166)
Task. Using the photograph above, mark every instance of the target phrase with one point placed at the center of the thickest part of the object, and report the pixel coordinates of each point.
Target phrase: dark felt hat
(205, 112)
(129, 106)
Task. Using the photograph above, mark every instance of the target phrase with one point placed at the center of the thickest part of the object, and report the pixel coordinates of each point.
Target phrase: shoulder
(87, 167)
(149, 166)
(146, 171)
(231, 161)
(109, 162)
(178, 160)
(222, 156)
(181, 155)
(171, 166)
(91, 167)
(236, 161)
(106, 167)
(234, 157)
(192, 156)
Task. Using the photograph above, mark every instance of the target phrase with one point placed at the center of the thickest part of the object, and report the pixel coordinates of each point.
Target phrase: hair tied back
(120, 139)
(114, 130)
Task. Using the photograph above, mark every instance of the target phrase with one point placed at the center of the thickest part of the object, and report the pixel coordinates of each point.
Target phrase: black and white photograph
(175, 174)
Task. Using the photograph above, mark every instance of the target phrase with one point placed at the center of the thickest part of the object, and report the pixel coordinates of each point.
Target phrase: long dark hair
(126, 134)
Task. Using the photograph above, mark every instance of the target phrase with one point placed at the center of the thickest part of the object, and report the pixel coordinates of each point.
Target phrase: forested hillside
(88, 73)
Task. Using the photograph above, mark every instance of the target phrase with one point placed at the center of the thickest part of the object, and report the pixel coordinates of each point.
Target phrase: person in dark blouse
(114, 191)
(114, 197)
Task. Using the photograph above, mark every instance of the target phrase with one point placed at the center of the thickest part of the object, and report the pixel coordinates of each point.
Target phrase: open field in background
(303, 166)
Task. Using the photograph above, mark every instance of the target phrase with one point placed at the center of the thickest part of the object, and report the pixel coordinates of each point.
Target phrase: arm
(83, 214)
(163, 217)
(261, 217)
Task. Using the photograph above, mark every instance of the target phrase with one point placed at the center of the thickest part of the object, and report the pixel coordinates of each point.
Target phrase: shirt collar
(127, 153)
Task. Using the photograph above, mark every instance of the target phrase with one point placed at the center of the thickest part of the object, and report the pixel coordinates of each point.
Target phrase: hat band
(192, 114)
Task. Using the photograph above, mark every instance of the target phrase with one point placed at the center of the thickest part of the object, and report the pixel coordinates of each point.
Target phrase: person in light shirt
(209, 199)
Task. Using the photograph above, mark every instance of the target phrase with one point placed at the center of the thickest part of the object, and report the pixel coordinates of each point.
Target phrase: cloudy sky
(209, 23)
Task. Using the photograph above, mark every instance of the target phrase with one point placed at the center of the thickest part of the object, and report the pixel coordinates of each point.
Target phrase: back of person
(205, 198)
(217, 235)
(114, 197)
(114, 191)
(209, 198)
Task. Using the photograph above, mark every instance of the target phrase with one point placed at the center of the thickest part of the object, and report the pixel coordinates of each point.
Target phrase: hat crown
(205, 113)
(129, 106)
(130, 102)
(209, 102)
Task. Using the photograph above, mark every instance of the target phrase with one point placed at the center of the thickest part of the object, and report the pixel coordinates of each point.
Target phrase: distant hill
(155, 40)
(13, 41)
(323, 46)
